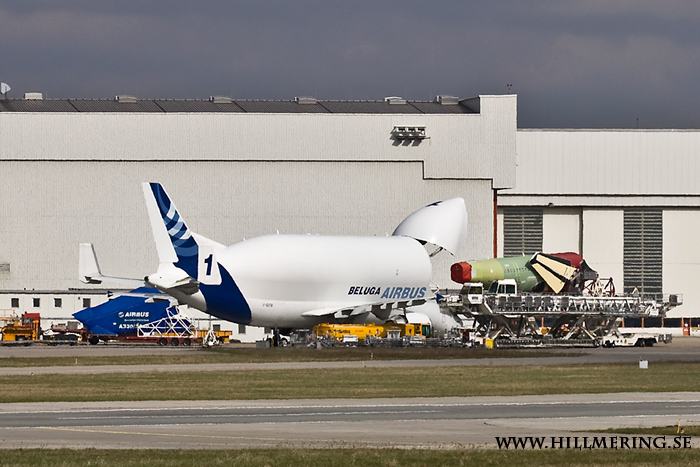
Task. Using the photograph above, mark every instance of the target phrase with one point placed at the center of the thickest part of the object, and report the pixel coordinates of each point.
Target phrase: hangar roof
(227, 105)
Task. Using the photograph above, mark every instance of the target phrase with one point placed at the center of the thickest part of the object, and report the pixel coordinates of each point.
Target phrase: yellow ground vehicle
(24, 328)
(364, 331)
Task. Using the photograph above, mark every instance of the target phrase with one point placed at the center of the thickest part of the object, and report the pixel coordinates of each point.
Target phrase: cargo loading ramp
(517, 320)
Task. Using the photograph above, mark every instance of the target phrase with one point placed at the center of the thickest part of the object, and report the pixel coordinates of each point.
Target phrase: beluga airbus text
(297, 281)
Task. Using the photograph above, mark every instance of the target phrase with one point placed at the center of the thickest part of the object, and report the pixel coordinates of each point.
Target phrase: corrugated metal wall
(459, 146)
(49, 207)
(70, 178)
(607, 162)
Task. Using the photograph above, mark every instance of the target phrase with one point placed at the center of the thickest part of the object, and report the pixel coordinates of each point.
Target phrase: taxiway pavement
(331, 423)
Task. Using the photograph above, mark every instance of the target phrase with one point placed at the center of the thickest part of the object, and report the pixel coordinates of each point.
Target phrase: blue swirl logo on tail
(185, 246)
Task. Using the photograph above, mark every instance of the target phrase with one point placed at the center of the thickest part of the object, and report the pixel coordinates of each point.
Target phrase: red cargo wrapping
(573, 258)
(461, 272)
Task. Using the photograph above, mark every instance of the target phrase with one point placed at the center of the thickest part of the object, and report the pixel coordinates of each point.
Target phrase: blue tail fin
(174, 241)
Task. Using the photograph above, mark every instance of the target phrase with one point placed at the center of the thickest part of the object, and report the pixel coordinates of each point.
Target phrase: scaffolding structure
(518, 320)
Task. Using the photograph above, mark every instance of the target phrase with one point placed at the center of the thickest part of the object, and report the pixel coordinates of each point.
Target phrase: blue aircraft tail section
(178, 246)
(174, 240)
(180, 236)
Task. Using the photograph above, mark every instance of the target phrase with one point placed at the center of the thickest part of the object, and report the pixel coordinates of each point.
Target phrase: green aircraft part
(517, 268)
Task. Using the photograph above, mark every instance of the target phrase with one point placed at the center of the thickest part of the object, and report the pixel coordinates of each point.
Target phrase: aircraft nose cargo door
(443, 224)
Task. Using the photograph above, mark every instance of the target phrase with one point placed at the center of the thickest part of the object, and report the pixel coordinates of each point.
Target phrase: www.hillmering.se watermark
(593, 442)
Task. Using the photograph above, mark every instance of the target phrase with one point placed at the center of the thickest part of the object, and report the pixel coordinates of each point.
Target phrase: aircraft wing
(381, 309)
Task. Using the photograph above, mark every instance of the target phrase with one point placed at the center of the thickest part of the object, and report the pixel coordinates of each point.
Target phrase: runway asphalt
(421, 422)
(445, 423)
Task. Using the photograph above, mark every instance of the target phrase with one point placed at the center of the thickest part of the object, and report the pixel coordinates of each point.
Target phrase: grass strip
(670, 430)
(352, 383)
(344, 457)
(289, 354)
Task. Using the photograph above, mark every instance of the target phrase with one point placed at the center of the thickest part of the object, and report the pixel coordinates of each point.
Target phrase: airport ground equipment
(177, 328)
(174, 328)
(373, 334)
(69, 332)
(23, 328)
(634, 339)
(504, 317)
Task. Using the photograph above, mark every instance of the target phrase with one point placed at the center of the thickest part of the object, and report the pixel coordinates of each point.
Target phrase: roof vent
(305, 100)
(220, 100)
(447, 100)
(125, 99)
(33, 96)
(395, 100)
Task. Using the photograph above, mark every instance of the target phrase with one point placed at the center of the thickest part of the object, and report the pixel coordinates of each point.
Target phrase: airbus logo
(133, 314)
(401, 293)
(136, 314)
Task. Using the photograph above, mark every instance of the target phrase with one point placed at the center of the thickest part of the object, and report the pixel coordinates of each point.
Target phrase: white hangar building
(71, 172)
(627, 200)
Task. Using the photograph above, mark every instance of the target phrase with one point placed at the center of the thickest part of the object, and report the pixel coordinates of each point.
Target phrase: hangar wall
(75, 177)
(60, 204)
(459, 146)
(601, 175)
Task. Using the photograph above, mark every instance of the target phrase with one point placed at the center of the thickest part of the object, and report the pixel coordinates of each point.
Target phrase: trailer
(174, 329)
(505, 317)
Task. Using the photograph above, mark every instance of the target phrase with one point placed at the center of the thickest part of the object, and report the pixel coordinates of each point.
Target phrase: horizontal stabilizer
(89, 269)
(169, 277)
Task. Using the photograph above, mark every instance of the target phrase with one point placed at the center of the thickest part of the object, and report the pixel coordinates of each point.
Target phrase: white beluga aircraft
(297, 281)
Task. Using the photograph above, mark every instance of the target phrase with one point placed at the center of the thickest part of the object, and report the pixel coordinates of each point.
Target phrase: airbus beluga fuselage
(297, 281)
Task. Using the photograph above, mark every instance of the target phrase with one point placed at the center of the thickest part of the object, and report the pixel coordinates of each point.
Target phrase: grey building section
(72, 169)
(627, 200)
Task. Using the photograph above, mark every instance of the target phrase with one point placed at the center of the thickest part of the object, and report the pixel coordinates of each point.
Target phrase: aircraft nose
(461, 272)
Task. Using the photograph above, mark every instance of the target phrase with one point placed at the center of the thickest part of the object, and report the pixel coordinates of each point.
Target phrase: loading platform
(551, 320)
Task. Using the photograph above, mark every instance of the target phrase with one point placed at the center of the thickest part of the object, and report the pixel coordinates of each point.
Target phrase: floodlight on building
(4, 88)
(410, 133)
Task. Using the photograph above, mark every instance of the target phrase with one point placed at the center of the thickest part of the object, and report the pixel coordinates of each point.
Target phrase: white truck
(634, 339)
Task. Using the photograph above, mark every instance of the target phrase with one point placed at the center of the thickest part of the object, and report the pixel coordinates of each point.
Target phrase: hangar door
(643, 253)
(522, 231)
